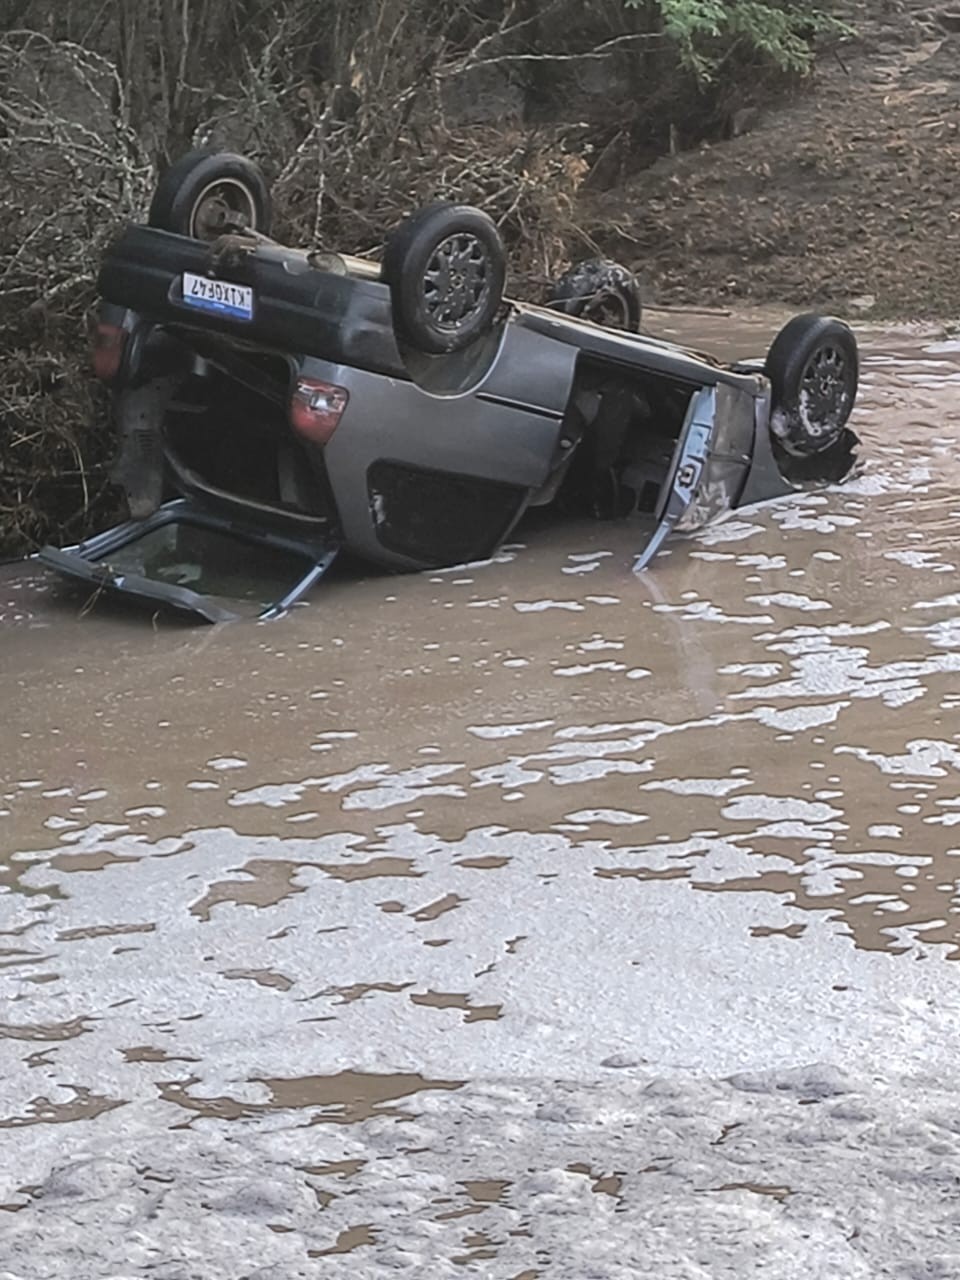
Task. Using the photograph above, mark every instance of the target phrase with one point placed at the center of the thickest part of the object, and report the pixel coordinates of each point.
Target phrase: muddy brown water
(531, 816)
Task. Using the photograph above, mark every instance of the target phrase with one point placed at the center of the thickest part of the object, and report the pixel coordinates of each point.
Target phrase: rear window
(212, 563)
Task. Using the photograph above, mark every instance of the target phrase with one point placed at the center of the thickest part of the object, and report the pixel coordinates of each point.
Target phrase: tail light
(316, 409)
(108, 344)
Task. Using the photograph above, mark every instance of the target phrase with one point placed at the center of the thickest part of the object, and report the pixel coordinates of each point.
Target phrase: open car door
(689, 460)
(198, 563)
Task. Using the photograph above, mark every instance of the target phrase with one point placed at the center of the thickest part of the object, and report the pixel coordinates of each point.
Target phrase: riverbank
(844, 200)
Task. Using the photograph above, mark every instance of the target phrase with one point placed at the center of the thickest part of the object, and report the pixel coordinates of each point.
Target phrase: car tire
(446, 267)
(814, 370)
(602, 291)
(206, 193)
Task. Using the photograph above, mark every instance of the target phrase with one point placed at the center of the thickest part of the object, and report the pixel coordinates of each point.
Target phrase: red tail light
(316, 409)
(108, 343)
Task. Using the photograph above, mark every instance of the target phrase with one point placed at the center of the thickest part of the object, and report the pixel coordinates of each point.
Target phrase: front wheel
(601, 291)
(814, 369)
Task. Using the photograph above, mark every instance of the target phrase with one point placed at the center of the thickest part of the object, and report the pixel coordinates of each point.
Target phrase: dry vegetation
(358, 111)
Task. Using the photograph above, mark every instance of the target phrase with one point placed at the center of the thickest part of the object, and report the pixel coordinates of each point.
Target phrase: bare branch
(599, 51)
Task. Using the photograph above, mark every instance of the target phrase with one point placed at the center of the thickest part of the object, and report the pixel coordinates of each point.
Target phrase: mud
(426, 927)
(843, 199)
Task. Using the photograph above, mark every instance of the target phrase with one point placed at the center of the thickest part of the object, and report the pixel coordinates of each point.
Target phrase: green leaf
(704, 31)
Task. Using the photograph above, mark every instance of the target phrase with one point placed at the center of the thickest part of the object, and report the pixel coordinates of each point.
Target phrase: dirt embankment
(846, 198)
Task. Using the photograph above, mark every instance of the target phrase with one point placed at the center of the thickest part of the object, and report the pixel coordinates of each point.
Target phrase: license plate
(218, 296)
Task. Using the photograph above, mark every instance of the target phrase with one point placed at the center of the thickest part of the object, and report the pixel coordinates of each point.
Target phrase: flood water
(535, 818)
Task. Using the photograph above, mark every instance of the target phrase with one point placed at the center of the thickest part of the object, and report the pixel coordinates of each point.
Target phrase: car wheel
(601, 291)
(446, 267)
(207, 193)
(813, 367)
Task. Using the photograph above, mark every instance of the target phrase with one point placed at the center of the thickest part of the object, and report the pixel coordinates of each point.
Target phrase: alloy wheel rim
(825, 390)
(456, 283)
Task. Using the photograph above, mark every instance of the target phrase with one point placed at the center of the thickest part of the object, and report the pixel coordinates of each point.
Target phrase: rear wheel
(602, 291)
(813, 366)
(206, 194)
(446, 268)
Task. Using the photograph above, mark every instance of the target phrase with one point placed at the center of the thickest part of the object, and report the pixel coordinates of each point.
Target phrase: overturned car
(278, 406)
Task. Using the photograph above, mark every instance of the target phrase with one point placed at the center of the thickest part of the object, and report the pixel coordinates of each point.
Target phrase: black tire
(206, 193)
(601, 291)
(446, 267)
(814, 368)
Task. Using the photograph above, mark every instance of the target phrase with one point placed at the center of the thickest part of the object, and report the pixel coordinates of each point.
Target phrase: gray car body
(495, 412)
(510, 422)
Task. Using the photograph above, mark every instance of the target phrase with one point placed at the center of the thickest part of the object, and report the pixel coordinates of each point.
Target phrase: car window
(211, 562)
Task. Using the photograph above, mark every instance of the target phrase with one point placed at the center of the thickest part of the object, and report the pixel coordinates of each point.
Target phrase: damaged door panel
(690, 461)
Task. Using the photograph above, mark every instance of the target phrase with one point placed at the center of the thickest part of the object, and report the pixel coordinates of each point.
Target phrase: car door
(689, 460)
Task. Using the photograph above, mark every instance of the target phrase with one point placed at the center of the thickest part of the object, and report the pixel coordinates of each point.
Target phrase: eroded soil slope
(847, 194)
